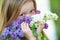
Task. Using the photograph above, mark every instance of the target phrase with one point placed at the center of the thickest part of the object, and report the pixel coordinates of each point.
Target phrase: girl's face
(27, 9)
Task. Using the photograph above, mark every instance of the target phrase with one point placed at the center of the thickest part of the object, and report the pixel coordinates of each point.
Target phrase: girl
(12, 9)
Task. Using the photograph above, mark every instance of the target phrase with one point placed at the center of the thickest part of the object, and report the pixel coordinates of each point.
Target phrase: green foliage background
(55, 7)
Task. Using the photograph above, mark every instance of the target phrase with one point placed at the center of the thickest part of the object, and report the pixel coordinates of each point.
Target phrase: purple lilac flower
(6, 32)
(37, 12)
(2, 36)
(11, 32)
(19, 20)
(12, 38)
(27, 19)
(46, 26)
(13, 35)
(17, 38)
(20, 33)
(14, 29)
(9, 28)
(15, 23)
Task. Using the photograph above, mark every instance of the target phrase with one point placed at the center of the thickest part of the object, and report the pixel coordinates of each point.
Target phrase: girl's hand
(27, 31)
(40, 28)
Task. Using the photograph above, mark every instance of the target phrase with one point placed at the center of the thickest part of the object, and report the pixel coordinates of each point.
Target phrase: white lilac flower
(54, 16)
(43, 18)
(38, 18)
(46, 16)
(51, 16)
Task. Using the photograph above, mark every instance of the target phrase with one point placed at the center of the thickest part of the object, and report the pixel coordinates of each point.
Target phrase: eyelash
(22, 14)
(32, 10)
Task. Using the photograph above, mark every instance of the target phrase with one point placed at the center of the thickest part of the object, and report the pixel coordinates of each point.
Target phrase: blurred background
(53, 6)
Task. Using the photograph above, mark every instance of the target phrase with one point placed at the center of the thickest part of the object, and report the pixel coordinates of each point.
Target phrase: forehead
(27, 6)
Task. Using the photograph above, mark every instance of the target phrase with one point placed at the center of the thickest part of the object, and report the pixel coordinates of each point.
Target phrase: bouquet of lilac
(14, 31)
(42, 19)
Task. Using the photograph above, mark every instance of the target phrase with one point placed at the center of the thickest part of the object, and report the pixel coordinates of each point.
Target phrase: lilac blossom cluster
(14, 29)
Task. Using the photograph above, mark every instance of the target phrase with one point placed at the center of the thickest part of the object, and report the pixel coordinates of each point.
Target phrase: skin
(28, 10)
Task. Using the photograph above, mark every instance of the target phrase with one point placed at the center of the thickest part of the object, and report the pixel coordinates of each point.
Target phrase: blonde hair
(1, 18)
(9, 11)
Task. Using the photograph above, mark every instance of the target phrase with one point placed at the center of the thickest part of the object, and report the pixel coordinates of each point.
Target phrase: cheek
(28, 14)
(33, 13)
(20, 16)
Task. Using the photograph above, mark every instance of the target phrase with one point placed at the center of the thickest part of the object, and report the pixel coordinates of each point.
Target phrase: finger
(24, 26)
(41, 25)
(38, 30)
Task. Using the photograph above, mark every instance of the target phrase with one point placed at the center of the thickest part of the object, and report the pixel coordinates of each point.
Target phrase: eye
(32, 11)
(22, 14)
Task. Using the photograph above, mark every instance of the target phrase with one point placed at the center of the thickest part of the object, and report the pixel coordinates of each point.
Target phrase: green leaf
(42, 36)
(35, 34)
(1, 39)
(14, 28)
(24, 38)
(33, 27)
